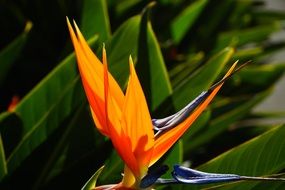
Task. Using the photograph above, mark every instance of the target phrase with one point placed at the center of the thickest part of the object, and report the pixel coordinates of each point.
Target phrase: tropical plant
(180, 49)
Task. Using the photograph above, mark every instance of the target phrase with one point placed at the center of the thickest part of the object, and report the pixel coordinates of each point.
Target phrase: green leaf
(214, 19)
(151, 67)
(95, 20)
(91, 183)
(239, 17)
(113, 167)
(59, 150)
(182, 70)
(229, 116)
(9, 54)
(46, 106)
(174, 156)
(202, 79)
(121, 46)
(259, 156)
(8, 119)
(183, 22)
(244, 36)
(125, 5)
(248, 54)
(3, 165)
(267, 74)
(265, 16)
(195, 130)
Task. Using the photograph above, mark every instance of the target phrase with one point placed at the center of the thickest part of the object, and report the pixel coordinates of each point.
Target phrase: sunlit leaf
(151, 67)
(202, 79)
(259, 156)
(91, 183)
(95, 20)
(121, 46)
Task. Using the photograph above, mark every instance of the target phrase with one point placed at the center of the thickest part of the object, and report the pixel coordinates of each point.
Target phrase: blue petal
(187, 175)
(169, 122)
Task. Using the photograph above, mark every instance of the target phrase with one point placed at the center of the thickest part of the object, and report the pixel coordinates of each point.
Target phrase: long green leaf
(95, 20)
(183, 22)
(202, 79)
(267, 74)
(60, 147)
(222, 122)
(214, 19)
(123, 6)
(183, 70)
(248, 54)
(91, 183)
(195, 130)
(250, 35)
(151, 67)
(237, 18)
(267, 16)
(174, 156)
(121, 46)
(113, 167)
(3, 165)
(259, 156)
(45, 107)
(9, 54)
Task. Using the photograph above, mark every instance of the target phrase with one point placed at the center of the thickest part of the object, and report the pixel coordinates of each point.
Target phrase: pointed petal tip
(234, 64)
(67, 19)
(130, 59)
(104, 51)
(76, 28)
(104, 56)
(69, 24)
(131, 65)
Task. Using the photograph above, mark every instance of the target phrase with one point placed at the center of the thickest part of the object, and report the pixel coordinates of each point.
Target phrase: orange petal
(136, 121)
(91, 70)
(166, 140)
(121, 141)
(96, 67)
(94, 88)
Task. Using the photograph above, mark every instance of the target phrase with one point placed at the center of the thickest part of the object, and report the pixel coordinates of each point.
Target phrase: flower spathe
(125, 118)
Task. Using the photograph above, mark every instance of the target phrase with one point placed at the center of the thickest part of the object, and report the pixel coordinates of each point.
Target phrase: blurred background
(274, 102)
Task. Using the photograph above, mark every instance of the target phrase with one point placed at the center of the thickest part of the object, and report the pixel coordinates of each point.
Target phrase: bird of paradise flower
(124, 118)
